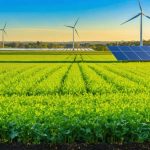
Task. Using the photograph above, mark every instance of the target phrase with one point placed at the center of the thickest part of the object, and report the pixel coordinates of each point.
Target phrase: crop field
(74, 101)
(55, 58)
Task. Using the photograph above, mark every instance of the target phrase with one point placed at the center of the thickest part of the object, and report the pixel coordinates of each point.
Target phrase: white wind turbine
(3, 34)
(74, 30)
(141, 14)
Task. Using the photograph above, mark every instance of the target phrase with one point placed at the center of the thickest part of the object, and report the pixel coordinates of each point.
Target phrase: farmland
(70, 102)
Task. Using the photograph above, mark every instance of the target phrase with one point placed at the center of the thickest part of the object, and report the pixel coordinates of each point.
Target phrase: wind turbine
(3, 33)
(74, 30)
(141, 14)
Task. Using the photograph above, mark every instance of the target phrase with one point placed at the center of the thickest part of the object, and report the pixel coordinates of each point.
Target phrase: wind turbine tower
(74, 30)
(3, 30)
(141, 14)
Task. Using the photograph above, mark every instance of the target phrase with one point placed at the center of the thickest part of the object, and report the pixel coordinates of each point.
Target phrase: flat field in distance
(86, 98)
(55, 56)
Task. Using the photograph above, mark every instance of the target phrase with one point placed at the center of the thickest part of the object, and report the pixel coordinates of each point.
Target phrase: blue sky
(99, 19)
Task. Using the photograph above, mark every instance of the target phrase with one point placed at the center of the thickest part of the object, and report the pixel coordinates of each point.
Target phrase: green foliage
(75, 102)
(99, 47)
(128, 43)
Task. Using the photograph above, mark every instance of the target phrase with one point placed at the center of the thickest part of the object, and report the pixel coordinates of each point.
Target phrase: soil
(132, 146)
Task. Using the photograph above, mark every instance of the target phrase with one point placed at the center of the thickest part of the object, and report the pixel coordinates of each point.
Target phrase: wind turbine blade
(77, 32)
(69, 27)
(5, 25)
(76, 22)
(140, 5)
(5, 32)
(132, 18)
(146, 16)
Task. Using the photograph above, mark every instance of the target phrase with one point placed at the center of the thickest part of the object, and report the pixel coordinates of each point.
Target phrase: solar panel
(146, 49)
(132, 56)
(117, 53)
(143, 56)
(137, 48)
(131, 53)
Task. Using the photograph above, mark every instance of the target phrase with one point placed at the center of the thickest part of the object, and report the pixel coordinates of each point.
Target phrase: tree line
(97, 46)
(38, 44)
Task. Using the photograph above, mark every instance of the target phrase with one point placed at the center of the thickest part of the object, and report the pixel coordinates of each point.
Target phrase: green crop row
(117, 118)
(47, 79)
(75, 102)
(55, 58)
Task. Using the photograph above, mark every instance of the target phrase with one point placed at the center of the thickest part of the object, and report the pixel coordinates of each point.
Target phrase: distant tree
(99, 47)
(44, 45)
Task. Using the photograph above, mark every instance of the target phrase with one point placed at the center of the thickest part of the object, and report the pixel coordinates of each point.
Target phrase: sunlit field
(56, 58)
(75, 100)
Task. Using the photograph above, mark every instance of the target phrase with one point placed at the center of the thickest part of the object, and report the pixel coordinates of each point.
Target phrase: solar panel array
(50, 49)
(131, 53)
